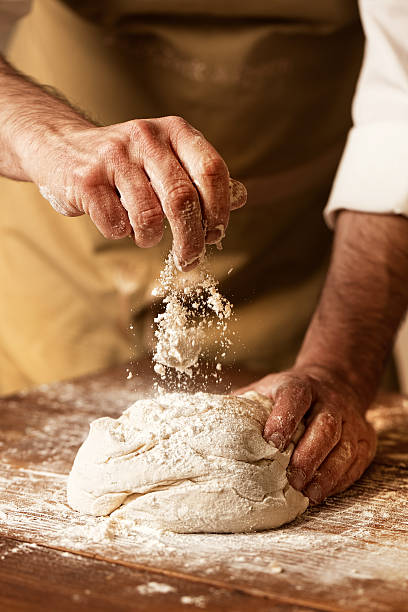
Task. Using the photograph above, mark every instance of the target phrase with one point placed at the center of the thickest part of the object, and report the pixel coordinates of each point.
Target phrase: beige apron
(270, 85)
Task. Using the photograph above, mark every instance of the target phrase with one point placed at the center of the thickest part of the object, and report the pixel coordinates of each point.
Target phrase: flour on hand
(186, 463)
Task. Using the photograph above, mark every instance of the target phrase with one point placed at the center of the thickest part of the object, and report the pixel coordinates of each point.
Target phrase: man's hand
(339, 366)
(337, 445)
(126, 177)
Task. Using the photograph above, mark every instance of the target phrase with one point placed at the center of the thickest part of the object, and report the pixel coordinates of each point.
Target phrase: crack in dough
(187, 463)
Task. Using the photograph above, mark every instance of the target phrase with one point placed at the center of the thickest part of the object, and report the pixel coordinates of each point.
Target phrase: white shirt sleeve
(373, 173)
(10, 12)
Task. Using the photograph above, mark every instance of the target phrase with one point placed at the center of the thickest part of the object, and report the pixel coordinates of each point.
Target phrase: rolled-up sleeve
(373, 172)
(10, 12)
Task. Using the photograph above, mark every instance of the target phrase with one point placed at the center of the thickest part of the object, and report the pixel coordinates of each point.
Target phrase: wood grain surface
(350, 553)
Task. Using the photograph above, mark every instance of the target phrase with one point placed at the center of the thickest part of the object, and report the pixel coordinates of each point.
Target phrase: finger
(321, 436)
(238, 194)
(181, 205)
(365, 454)
(103, 206)
(173, 187)
(291, 402)
(208, 172)
(333, 468)
(63, 207)
(143, 208)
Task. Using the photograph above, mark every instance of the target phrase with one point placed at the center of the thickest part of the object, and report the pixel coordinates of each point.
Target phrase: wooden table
(351, 553)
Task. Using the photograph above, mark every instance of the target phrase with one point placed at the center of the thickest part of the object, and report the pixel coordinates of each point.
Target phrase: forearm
(363, 301)
(30, 118)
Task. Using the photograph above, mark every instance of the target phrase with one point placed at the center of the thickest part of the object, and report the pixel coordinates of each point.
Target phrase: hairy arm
(127, 177)
(363, 301)
(32, 117)
(340, 364)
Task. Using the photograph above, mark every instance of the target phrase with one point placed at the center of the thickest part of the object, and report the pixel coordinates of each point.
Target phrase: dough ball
(186, 463)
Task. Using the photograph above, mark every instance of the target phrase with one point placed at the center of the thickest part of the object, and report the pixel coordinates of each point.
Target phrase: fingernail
(213, 236)
(238, 194)
(277, 440)
(314, 492)
(297, 478)
(184, 265)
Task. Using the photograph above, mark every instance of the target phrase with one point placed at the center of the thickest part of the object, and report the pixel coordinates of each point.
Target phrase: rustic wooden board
(351, 553)
(38, 578)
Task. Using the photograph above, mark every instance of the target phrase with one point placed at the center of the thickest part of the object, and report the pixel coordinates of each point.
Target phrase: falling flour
(187, 462)
(193, 308)
(151, 588)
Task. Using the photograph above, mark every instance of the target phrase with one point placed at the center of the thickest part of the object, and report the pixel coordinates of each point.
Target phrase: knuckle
(213, 166)
(297, 382)
(329, 478)
(181, 131)
(113, 152)
(84, 178)
(109, 219)
(347, 450)
(330, 423)
(175, 121)
(302, 389)
(150, 218)
(182, 199)
(143, 130)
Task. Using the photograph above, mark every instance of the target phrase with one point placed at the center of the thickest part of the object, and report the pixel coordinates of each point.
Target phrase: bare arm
(339, 366)
(31, 117)
(363, 302)
(126, 177)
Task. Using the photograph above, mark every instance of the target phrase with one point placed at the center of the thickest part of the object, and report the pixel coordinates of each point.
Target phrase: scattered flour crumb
(192, 306)
(155, 587)
(199, 601)
(274, 569)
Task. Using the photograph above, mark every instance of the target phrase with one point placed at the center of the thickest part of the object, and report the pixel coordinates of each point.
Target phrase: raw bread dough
(186, 463)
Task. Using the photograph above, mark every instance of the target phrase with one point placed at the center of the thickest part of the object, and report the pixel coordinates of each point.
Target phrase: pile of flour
(186, 463)
(193, 307)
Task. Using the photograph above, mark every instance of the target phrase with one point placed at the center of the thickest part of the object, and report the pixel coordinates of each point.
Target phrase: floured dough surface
(186, 463)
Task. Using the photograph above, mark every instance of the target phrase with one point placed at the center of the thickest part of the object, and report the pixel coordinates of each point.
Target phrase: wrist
(340, 375)
(34, 124)
(43, 136)
(46, 139)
